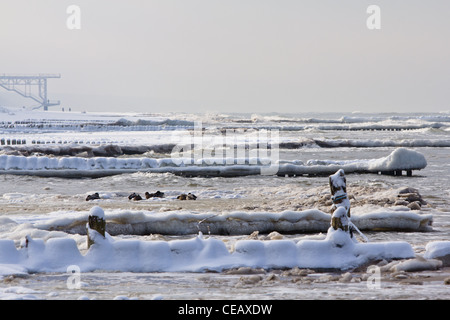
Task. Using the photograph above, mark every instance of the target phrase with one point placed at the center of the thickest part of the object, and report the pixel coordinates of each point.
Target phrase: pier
(24, 84)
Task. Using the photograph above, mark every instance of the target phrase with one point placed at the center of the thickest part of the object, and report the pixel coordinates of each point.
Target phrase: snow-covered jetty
(199, 253)
(181, 222)
(399, 160)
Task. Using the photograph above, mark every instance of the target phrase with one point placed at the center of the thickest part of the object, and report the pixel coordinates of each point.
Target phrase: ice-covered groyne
(336, 251)
(198, 254)
(234, 223)
(399, 160)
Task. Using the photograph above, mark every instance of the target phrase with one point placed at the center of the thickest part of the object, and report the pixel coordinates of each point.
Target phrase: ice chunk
(414, 265)
(438, 250)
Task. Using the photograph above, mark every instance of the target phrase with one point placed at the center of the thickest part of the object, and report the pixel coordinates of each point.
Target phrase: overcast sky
(233, 55)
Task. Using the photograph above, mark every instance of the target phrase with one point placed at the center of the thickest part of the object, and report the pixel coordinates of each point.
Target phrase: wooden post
(96, 223)
(338, 188)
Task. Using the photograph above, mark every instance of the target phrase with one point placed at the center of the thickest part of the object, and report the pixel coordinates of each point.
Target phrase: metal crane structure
(23, 85)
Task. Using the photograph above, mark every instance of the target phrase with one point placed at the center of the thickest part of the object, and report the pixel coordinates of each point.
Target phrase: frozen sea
(35, 205)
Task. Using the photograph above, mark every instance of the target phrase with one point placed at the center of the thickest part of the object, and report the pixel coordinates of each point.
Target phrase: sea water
(26, 200)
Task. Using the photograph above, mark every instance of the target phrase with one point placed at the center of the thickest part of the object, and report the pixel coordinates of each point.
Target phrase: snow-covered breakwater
(400, 159)
(181, 222)
(336, 251)
(199, 254)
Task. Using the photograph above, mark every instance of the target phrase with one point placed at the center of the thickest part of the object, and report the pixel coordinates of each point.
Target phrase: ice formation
(438, 250)
(399, 159)
(198, 254)
(337, 251)
(181, 222)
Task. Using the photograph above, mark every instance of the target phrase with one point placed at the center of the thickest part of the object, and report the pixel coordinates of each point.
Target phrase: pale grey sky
(233, 55)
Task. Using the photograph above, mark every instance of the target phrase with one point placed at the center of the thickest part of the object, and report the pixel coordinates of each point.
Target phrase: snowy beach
(248, 235)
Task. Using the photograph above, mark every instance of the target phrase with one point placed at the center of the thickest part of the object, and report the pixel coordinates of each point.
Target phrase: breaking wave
(23, 121)
(89, 150)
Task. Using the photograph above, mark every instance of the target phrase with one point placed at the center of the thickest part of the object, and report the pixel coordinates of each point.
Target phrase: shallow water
(272, 285)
